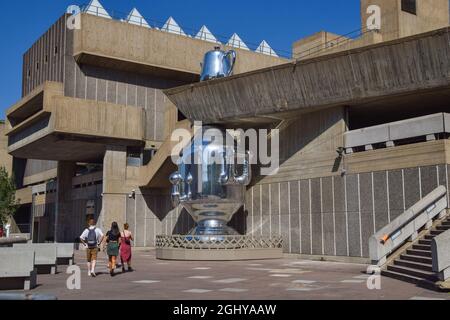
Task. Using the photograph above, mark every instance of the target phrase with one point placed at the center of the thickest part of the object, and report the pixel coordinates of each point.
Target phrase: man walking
(91, 238)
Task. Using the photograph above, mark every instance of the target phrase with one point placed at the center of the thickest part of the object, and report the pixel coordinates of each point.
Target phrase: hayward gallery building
(363, 130)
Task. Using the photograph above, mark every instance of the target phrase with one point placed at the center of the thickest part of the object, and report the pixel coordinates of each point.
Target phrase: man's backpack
(92, 239)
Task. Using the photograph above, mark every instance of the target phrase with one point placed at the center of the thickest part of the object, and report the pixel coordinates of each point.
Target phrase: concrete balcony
(146, 50)
(410, 73)
(49, 126)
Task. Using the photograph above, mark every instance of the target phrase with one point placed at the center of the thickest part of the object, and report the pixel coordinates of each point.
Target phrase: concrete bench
(65, 253)
(45, 258)
(17, 270)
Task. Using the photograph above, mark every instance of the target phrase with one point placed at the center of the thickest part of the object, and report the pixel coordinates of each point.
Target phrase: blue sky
(280, 22)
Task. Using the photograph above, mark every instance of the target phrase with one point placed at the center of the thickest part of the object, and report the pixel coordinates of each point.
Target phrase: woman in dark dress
(112, 248)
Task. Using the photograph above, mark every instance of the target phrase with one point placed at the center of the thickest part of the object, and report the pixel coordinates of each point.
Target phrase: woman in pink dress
(125, 247)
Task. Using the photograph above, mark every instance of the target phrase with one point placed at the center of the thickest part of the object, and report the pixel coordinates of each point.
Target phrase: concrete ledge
(440, 250)
(340, 259)
(218, 255)
(392, 236)
(426, 126)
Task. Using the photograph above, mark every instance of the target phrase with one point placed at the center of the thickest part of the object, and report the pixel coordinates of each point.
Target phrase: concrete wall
(123, 88)
(44, 61)
(5, 158)
(395, 23)
(153, 48)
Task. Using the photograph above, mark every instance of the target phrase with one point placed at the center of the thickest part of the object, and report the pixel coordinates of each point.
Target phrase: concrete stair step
(422, 247)
(429, 237)
(436, 232)
(415, 280)
(414, 265)
(442, 228)
(446, 223)
(426, 242)
(419, 259)
(413, 272)
(421, 253)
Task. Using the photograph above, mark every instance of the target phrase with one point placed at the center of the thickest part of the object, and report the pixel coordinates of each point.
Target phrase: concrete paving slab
(323, 281)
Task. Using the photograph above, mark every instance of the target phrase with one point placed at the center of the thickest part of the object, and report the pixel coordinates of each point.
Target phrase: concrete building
(364, 128)
(399, 18)
(92, 116)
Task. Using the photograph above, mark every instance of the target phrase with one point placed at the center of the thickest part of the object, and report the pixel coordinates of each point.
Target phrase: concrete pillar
(114, 190)
(63, 210)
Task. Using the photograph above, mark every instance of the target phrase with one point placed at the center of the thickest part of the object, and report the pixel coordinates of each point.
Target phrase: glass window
(409, 6)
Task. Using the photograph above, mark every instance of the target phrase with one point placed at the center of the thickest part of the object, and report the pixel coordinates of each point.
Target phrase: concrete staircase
(414, 263)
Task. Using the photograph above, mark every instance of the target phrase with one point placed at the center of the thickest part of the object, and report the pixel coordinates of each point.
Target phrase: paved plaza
(285, 279)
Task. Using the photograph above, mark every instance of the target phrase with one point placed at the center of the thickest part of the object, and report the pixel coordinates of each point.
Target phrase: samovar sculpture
(211, 183)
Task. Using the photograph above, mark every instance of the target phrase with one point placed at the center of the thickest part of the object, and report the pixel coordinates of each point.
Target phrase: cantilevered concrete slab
(407, 68)
(149, 50)
(63, 128)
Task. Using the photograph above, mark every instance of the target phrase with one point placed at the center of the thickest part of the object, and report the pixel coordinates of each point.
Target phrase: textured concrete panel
(248, 209)
(275, 209)
(122, 93)
(442, 178)
(131, 92)
(284, 201)
(80, 88)
(316, 216)
(257, 218)
(354, 228)
(367, 217)
(141, 93)
(294, 217)
(395, 193)
(340, 214)
(305, 217)
(140, 221)
(91, 93)
(265, 209)
(130, 215)
(328, 216)
(412, 186)
(429, 179)
(101, 89)
(381, 199)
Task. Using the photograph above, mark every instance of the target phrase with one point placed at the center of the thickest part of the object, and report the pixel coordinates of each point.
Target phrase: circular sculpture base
(218, 248)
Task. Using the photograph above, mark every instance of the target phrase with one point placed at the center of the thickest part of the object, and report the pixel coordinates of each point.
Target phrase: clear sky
(280, 22)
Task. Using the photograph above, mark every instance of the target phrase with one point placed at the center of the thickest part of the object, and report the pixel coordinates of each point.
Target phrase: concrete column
(115, 192)
(63, 210)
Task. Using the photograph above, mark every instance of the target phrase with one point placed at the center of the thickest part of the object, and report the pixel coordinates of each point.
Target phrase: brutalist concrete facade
(106, 103)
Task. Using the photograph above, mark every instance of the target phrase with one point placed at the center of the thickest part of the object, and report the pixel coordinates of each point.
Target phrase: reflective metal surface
(218, 64)
(210, 184)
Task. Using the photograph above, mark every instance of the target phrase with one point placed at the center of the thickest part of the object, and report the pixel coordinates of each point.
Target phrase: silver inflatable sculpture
(218, 64)
(210, 183)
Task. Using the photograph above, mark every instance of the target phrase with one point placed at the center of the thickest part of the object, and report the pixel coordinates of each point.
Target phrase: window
(409, 6)
(134, 157)
(56, 50)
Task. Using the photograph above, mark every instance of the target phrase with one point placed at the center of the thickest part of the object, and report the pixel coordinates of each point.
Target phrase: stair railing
(406, 227)
(440, 253)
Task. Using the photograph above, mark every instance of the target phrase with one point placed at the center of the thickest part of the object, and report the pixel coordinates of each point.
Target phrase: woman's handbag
(126, 239)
